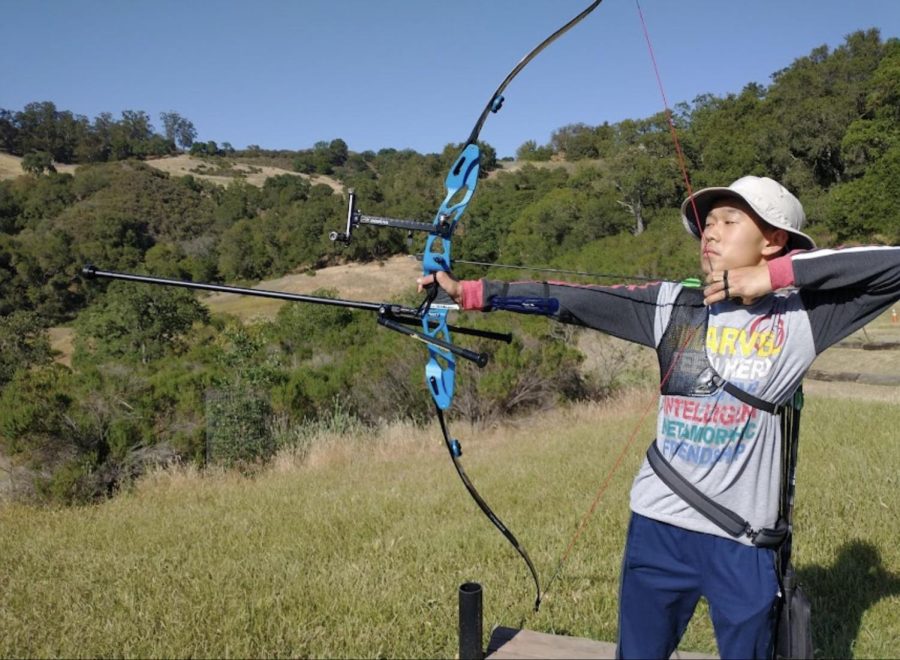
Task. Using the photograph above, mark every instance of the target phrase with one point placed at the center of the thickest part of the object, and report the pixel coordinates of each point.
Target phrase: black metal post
(470, 622)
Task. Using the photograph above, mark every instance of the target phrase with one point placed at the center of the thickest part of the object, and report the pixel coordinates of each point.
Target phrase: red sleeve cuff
(781, 272)
(472, 296)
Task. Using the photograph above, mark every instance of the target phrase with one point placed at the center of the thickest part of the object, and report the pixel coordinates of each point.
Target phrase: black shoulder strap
(714, 512)
(725, 518)
(750, 400)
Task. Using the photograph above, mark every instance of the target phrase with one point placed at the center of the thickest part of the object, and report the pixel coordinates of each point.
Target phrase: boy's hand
(747, 284)
(445, 281)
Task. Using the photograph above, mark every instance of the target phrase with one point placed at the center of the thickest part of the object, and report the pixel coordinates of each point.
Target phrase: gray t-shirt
(729, 450)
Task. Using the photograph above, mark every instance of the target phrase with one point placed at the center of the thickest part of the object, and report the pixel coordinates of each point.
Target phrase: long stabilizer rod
(391, 316)
(91, 271)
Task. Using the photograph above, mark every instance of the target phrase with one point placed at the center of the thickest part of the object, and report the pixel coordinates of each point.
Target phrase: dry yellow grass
(359, 551)
(62, 341)
(183, 165)
(11, 167)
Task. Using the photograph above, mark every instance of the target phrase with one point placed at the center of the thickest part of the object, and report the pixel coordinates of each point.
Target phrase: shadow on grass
(841, 594)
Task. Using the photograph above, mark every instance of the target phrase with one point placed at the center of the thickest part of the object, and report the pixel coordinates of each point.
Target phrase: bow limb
(455, 452)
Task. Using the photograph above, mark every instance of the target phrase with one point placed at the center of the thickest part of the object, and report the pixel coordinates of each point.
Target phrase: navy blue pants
(667, 569)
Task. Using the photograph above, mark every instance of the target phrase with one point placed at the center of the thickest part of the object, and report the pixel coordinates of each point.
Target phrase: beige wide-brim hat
(769, 199)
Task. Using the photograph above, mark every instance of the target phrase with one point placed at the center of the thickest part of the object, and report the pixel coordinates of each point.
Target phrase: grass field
(358, 550)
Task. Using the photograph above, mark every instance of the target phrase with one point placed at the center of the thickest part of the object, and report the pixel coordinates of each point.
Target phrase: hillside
(11, 167)
(224, 171)
(218, 170)
(604, 198)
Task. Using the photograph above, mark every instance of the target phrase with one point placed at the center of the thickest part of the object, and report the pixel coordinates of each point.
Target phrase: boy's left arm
(842, 289)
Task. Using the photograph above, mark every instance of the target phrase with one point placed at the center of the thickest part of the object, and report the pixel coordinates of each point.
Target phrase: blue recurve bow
(440, 371)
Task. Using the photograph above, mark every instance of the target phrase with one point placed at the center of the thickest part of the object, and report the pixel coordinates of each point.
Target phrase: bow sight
(355, 218)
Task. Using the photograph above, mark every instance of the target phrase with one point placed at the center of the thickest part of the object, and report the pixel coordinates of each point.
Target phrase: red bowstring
(682, 162)
(604, 486)
(687, 182)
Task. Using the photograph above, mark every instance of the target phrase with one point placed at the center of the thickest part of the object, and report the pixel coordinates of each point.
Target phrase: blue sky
(401, 73)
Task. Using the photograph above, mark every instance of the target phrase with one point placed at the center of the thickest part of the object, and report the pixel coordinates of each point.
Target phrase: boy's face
(735, 237)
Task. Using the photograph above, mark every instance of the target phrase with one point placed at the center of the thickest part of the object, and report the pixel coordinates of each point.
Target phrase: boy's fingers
(715, 290)
(719, 287)
(444, 280)
(747, 283)
(424, 281)
(713, 294)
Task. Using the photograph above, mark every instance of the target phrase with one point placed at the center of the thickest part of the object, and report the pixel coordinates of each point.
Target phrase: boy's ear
(777, 243)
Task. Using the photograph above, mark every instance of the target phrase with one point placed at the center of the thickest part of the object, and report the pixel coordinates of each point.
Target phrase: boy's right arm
(842, 289)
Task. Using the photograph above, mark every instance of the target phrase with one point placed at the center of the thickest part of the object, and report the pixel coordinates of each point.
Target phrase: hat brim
(703, 201)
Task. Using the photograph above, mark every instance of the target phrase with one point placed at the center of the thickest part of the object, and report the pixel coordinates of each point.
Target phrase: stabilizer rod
(391, 316)
(91, 271)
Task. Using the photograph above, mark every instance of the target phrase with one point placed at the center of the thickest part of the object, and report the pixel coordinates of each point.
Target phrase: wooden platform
(509, 644)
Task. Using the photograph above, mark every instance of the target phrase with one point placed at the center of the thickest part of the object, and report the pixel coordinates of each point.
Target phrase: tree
(337, 152)
(242, 252)
(644, 181)
(871, 136)
(814, 101)
(131, 135)
(239, 411)
(170, 121)
(23, 343)
(37, 127)
(9, 132)
(37, 162)
(866, 208)
(186, 134)
(730, 137)
(135, 322)
(178, 129)
(559, 221)
(33, 413)
(529, 150)
(580, 141)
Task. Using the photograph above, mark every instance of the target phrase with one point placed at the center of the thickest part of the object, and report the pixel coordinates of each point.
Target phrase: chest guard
(682, 350)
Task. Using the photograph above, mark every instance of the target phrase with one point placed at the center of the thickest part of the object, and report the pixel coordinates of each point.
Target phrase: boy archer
(732, 358)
